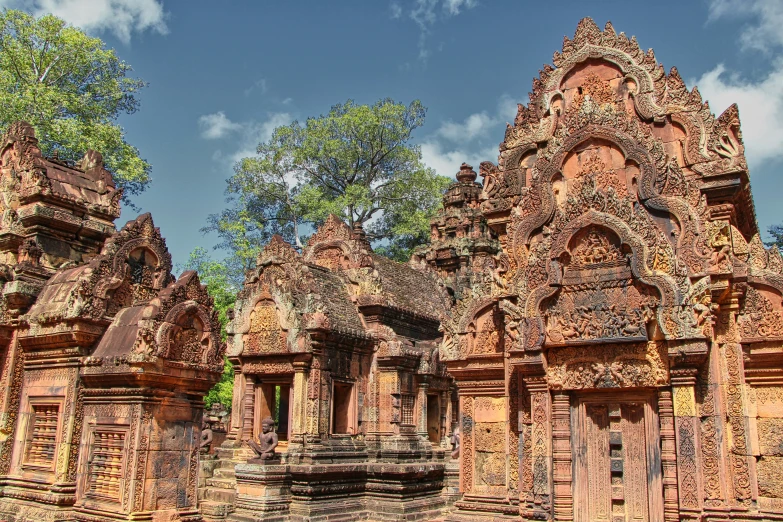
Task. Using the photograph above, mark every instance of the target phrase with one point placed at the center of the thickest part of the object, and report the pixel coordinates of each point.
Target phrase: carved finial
(466, 174)
(20, 130)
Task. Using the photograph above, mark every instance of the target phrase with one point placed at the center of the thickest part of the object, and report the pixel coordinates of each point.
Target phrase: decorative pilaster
(466, 444)
(313, 401)
(421, 421)
(561, 457)
(668, 456)
(541, 449)
(686, 424)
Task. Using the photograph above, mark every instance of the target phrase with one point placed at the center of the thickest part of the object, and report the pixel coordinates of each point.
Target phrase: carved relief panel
(488, 462)
(608, 366)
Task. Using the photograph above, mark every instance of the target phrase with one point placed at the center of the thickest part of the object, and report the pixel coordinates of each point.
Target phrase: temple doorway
(433, 418)
(616, 456)
(274, 399)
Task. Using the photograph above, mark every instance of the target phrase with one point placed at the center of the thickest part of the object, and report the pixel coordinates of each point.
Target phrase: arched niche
(137, 280)
(186, 335)
(599, 79)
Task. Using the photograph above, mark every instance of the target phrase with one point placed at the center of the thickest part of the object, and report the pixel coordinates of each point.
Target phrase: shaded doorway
(433, 418)
(274, 399)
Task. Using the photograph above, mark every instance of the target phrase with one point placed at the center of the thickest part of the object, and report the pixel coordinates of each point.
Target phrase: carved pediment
(760, 319)
(265, 334)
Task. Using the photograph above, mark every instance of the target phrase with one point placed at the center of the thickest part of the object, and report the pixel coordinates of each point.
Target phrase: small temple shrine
(593, 333)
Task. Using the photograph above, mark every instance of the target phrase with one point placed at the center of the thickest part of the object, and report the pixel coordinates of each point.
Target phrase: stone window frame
(353, 413)
(94, 429)
(32, 403)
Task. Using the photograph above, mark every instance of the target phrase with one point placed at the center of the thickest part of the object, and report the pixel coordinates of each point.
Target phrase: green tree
(71, 89)
(357, 161)
(776, 232)
(215, 275)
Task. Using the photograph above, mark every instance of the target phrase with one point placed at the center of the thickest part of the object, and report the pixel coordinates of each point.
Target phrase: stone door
(617, 466)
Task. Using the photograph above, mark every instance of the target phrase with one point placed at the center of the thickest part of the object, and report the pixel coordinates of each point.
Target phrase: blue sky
(223, 75)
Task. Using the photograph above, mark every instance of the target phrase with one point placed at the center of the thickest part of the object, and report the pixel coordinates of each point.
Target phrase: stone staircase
(217, 491)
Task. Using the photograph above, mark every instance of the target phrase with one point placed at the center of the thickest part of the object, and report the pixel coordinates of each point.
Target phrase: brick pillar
(561, 457)
(668, 456)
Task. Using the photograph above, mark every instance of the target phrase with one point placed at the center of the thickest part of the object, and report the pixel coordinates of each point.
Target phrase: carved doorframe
(652, 434)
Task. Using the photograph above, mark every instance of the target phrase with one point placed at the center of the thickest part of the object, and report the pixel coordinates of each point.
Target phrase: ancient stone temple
(601, 304)
(619, 357)
(338, 348)
(104, 356)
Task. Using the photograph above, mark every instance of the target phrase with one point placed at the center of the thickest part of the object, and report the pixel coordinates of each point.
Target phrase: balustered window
(41, 440)
(106, 464)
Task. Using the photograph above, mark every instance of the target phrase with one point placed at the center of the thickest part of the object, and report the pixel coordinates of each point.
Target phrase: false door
(617, 465)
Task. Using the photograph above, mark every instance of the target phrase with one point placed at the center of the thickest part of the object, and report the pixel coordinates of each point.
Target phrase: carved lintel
(687, 354)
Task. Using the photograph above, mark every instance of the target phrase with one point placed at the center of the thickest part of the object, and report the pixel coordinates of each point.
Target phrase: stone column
(445, 418)
(541, 446)
(561, 456)
(249, 407)
(686, 425)
(237, 402)
(668, 456)
(299, 407)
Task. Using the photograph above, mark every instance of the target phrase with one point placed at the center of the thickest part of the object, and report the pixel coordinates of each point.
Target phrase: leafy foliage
(356, 162)
(215, 276)
(776, 231)
(223, 391)
(71, 89)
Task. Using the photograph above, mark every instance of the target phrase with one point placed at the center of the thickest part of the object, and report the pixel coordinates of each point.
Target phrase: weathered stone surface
(105, 358)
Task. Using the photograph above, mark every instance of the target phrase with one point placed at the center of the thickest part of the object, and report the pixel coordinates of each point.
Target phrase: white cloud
(257, 85)
(453, 6)
(120, 17)
(760, 105)
(251, 133)
(473, 140)
(396, 10)
(765, 32)
(426, 13)
(760, 100)
(217, 125)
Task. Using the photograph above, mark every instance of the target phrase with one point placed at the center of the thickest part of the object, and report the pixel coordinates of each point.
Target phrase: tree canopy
(357, 162)
(215, 276)
(71, 89)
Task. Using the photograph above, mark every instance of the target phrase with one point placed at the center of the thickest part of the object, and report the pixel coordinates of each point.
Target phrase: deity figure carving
(267, 442)
(206, 437)
(455, 444)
